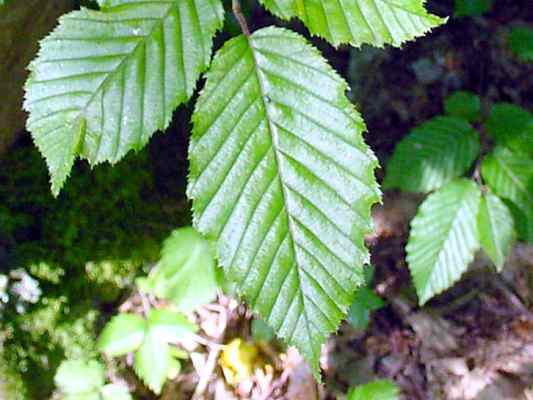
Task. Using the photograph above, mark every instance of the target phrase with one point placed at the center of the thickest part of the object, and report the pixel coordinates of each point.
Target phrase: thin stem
(237, 11)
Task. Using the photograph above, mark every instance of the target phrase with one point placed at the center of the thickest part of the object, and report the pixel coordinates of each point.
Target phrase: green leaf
(382, 389)
(115, 392)
(472, 8)
(465, 105)
(152, 362)
(282, 180)
(443, 237)
(510, 176)
(365, 301)
(432, 154)
(511, 126)
(521, 42)
(168, 326)
(80, 377)
(496, 229)
(261, 331)
(105, 81)
(375, 22)
(187, 271)
(122, 335)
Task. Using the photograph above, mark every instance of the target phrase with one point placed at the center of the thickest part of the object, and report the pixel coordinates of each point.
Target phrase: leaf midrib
(284, 194)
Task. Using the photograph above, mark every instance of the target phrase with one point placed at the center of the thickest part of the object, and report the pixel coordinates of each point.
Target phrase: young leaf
(168, 326)
(105, 81)
(496, 229)
(510, 176)
(375, 22)
(431, 155)
(511, 126)
(123, 334)
(521, 42)
(281, 178)
(187, 271)
(443, 238)
(382, 389)
(115, 392)
(152, 362)
(465, 105)
(80, 377)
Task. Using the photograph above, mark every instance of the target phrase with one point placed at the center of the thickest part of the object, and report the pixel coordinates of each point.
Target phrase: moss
(85, 248)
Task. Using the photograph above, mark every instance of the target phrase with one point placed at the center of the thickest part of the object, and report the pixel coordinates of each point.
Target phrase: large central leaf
(105, 81)
(375, 22)
(281, 178)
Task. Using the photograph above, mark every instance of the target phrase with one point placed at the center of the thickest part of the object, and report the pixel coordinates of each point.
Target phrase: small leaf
(282, 181)
(80, 377)
(511, 126)
(496, 229)
(510, 176)
(377, 390)
(105, 81)
(122, 335)
(115, 392)
(472, 8)
(521, 42)
(365, 301)
(431, 155)
(465, 105)
(187, 271)
(152, 362)
(169, 326)
(261, 331)
(443, 237)
(356, 22)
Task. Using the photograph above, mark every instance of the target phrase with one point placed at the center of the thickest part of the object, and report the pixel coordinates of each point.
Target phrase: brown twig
(237, 11)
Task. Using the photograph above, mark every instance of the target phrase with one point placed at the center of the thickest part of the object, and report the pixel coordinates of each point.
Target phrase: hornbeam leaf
(375, 22)
(496, 228)
(510, 175)
(105, 81)
(443, 238)
(281, 178)
(433, 154)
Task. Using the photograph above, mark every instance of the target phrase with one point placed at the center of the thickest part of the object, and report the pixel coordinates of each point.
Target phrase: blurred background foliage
(66, 262)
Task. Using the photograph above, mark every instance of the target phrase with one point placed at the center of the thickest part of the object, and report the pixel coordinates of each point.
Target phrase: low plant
(486, 209)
